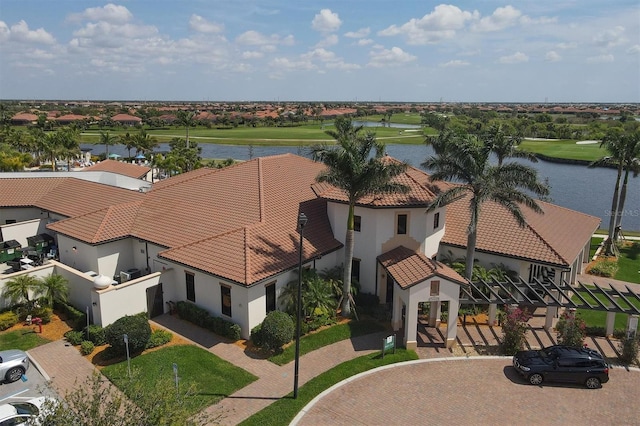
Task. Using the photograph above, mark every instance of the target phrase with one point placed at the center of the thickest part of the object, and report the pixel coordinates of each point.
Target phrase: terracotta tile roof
(71, 118)
(421, 192)
(66, 196)
(24, 116)
(121, 168)
(126, 118)
(409, 268)
(556, 237)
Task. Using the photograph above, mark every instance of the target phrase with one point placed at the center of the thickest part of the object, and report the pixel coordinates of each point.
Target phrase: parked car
(13, 364)
(25, 411)
(562, 364)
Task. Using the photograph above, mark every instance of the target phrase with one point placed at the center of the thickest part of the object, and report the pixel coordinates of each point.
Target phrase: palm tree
(631, 159)
(186, 119)
(127, 141)
(143, 142)
(358, 166)
(50, 146)
(624, 150)
(466, 160)
(107, 139)
(17, 289)
(54, 288)
(503, 145)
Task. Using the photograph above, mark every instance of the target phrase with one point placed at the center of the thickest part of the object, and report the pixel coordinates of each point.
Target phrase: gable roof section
(409, 268)
(421, 192)
(120, 167)
(555, 237)
(66, 196)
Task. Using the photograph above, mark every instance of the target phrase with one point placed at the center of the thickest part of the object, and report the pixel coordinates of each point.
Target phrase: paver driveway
(473, 391)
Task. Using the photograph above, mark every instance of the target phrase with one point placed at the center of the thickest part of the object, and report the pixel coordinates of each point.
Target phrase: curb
(38, 367)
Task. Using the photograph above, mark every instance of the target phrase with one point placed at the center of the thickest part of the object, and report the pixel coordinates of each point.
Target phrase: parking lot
(478, 391)
(35, 385)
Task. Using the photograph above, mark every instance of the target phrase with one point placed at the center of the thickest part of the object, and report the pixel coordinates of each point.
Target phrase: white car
(18, 413)
(13, 364)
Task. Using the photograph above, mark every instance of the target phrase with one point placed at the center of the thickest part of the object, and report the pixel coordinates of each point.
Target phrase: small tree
(54, 288)
(277, 329)
(571, 329)
(17, 289)
(629, 348)
(138, 332)
(514, 330)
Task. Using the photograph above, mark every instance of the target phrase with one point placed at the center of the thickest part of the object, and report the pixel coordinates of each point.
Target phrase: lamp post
(302, 221)
(126, 344)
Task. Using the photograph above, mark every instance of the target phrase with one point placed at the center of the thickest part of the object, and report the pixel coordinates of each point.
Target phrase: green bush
(629, 349)
(256, 335)
(76, 317)
(514, 330)
(8, 319)
(571, 330)
(159, 338)
(95, 334)
(137, 329)
(604, 268)
(74, 337)
(86, 347)
(42, 312)
(277, 330)
(201, 317)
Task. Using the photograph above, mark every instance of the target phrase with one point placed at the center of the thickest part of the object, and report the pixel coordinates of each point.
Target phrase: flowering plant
(571, 329)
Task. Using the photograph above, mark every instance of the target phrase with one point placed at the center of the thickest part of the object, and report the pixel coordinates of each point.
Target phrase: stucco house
(227, 240)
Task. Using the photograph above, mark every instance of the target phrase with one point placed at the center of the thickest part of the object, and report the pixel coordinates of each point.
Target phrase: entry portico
(417, 278)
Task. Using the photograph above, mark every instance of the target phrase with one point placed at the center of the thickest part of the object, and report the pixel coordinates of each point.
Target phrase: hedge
(78, 318)
(8, 319)
(202, 318)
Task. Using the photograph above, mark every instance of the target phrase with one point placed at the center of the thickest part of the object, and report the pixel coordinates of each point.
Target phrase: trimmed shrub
(277, 329)
(76, 317)
(571, 330)
(629, 349)
(159, 338)
(74, 337)
(604, 268)
(201, 317)
(86, 347)
(256, 335)
(8, 319)
(95, 334)
(137, 329)
(42, 312)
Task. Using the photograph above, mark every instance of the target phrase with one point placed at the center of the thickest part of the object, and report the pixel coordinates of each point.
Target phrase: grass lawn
(284, 410)
(595, 243)
(598, 318)
(565, 149)
(23, 340)
(325, 337)
(629, 263)
(212, 377)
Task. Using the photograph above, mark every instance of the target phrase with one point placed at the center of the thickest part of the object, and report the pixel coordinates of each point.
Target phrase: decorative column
(611, 319)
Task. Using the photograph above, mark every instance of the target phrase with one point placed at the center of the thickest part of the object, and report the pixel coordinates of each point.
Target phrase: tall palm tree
(504, 145)
(186, 119)
(54, 287)
(127, 141)
(107, 139)
(623, 153)
(466, 160)
(50, 147)
(631, 165)
(17, 289)
(143, 142)
(357, 165)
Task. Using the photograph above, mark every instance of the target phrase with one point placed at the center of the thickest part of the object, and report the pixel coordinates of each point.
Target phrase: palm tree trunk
(614, 213)
(620, 210)
(348, 258)
(471, 249)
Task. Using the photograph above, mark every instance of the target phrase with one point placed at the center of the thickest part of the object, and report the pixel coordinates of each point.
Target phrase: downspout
(146, 253)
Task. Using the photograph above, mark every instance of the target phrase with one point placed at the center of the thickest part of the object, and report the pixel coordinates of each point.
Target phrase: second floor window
(401, 224)
(191, 286)
(225, 297)
(357, 222)
(436, 220)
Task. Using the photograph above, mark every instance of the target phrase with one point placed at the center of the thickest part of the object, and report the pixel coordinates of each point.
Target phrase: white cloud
(389, 57)
(254, 38)
(252, 54)
(21, 33)
(610, 38)
(110, 13)
(635, 49)
(326, 21)
(600, 59)
(330, 40)
(361, 33)
(364, 42)
(456, 63)
(571, 45)
(543, 20)
(284, 64)
(501, 18)
(438, 25)
(320, 54)
(552, 56)
(516, 58)
(199, 24)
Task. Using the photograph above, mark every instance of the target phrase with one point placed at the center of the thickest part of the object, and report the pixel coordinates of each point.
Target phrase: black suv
(562, 364)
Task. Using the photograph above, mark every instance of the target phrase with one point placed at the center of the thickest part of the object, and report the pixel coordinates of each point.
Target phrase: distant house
(126, 119)
(71, 118)
(24, 119)
(122, 168)
(227, 240)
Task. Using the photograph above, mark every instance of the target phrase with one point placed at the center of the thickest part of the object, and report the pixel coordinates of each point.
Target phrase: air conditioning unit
(124, 276)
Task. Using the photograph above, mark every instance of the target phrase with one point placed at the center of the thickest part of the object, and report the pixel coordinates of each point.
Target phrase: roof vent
(144, 189)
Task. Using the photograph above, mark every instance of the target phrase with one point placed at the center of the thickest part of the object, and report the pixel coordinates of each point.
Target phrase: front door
(155, 301)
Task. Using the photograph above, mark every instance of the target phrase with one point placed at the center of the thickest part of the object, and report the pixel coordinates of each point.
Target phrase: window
(436, 220)
(225, 297)
(401, 224)
(270, 290)
(9, 221)
(355, 270)
(435, 288)
(357, 221)
(191, 286)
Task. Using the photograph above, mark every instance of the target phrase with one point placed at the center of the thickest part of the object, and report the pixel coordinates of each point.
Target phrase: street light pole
(302, 221)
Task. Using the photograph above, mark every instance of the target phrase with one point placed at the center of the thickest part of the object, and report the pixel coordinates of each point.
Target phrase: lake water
(573, 186)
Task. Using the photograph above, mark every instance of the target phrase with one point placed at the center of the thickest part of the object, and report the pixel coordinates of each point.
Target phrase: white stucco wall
(21, 230)
(128, 298)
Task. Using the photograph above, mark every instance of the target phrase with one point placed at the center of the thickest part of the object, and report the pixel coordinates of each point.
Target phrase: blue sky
(308, 50)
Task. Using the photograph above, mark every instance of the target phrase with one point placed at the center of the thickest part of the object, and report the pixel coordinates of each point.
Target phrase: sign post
(388, 343)
(175, 375)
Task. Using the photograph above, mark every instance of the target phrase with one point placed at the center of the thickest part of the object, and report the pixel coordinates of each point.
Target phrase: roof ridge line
(110, 211)
(544, 241)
